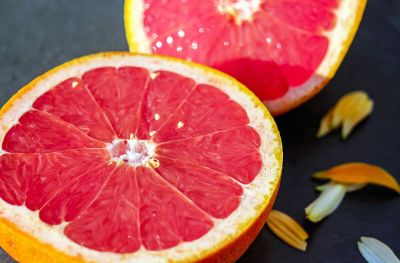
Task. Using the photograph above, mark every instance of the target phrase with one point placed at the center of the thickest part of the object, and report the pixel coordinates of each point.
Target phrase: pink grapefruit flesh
(57, 159)
(283, 50)
(283, 42)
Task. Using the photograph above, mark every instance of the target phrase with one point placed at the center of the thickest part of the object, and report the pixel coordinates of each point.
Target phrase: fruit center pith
(133, 152)
(239, 10)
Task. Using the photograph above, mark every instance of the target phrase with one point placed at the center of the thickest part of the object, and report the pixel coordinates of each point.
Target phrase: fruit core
(239, 10)
(132, 151)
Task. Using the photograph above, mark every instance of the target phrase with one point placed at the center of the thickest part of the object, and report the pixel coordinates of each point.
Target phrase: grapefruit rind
(23, 224)
(134, 30)
(348, 17)
(25, 248)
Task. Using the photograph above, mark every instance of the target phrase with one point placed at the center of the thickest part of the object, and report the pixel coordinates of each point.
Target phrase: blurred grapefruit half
(285, 51)
(116, 157)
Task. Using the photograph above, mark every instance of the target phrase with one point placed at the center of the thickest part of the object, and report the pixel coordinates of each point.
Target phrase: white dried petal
(326, 203)
(375, 251)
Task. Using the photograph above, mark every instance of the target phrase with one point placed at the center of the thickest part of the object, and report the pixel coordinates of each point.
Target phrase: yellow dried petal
(359, 173)
(326, 203)
(375, 251)
(345, 105)
(287, 229)
(350, 110)
(326, 124)
(360, 112)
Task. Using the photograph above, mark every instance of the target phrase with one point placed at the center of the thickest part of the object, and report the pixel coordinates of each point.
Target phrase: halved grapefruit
(285, 51)
(116, 157)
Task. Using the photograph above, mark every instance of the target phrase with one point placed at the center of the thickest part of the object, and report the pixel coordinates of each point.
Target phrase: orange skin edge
(25, 248)
(234, 250)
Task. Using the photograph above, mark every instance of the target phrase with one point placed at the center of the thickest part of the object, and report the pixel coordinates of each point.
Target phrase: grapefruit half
(116, 157)
(285, 51)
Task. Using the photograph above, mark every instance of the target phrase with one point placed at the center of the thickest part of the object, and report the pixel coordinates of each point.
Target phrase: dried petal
(350, 110)
(360, 112)
(326, 124)
(355, 187)
(356, 173)
(287, 229)
(330, 198)
(375, 251)
(350, 187)
(344, 106)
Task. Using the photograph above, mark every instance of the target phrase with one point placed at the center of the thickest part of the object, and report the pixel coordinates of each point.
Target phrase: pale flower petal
(326, 203)
(355, 187)
(375, 251)
(350, 187)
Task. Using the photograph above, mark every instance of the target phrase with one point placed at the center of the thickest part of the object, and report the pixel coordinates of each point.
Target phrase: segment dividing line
(100, 108)
(204, 135)
(177, 108)
(179, 193)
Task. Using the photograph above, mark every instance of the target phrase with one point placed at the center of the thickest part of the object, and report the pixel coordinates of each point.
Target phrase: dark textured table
(38, 35)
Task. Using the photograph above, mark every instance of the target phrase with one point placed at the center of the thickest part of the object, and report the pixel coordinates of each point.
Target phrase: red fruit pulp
(80, 156)
(268, 45)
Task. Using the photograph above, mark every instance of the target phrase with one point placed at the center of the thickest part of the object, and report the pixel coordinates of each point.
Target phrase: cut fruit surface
(285, 51)
(118, 157)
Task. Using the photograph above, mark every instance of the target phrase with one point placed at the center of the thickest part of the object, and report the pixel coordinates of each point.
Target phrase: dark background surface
(37, 35)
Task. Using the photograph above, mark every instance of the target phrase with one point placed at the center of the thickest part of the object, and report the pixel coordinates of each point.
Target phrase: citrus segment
(38, 131)
(111, 222)
(283, 50)
(119, 93)
(58, 184)
(71, 200)
(311, 15)
(85, 114)
(206, 110)
(233, 152)
(167, 218)
(126, 158)
(164, 94)
(213, 192)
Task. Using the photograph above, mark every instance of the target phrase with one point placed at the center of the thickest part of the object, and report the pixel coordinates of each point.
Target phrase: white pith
(346, 19)
(256, 196)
